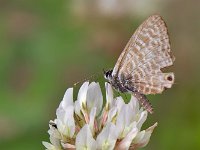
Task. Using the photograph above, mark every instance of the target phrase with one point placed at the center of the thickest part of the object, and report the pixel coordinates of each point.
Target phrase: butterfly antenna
(87, 79)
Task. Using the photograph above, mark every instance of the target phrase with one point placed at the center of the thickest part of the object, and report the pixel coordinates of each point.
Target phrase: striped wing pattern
(147, 52)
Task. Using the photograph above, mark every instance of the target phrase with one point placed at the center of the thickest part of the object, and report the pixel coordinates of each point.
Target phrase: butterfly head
(108, 75)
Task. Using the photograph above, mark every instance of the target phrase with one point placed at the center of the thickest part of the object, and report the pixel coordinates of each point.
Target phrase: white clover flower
(85, 125)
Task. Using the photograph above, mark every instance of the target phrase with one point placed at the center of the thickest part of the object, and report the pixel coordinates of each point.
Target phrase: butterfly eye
(107, 74)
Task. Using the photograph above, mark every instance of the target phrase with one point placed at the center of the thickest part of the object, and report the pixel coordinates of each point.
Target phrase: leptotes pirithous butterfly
(138, 68)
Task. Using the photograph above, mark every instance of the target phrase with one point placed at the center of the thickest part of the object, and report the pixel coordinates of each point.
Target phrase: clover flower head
(86, 124)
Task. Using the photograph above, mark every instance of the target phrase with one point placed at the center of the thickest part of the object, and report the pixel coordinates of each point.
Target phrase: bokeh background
(47, 45)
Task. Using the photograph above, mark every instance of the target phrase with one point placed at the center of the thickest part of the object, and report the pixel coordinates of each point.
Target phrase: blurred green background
(47, 45)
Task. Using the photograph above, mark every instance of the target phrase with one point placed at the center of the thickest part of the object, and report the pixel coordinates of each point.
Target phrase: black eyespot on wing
(169, 78)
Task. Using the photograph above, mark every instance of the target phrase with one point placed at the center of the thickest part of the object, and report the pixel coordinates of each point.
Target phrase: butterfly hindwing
(154, 84)
(147, 52)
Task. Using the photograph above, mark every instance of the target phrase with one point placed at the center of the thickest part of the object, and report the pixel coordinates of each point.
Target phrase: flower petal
(54, 145)
(67, 99)
(134, 104)
(94, 97)
(112, 114)
(142, 119)
(54, 132)
(68, 146)
(126, 142)
(107, 138)
(82, 94)
(92, 119)
(119, 102)
(49, 146)
(65, 121)
(78, 109)
(85, 140)
(143, 137)
(109, 95)
(55, 141)
(125, 120)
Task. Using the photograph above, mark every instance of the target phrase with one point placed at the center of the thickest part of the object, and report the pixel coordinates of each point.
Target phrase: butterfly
(139, 67)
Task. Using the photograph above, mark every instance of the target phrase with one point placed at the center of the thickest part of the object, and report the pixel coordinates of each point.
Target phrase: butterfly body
(138, 68)
(116, 82)
(124, 85)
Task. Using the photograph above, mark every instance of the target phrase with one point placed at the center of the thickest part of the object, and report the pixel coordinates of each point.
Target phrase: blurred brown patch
(21, 23)
(107, 41)
(20, 77)
(8, 128)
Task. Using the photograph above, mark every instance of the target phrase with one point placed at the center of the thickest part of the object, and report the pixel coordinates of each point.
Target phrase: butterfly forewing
(147, 52)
